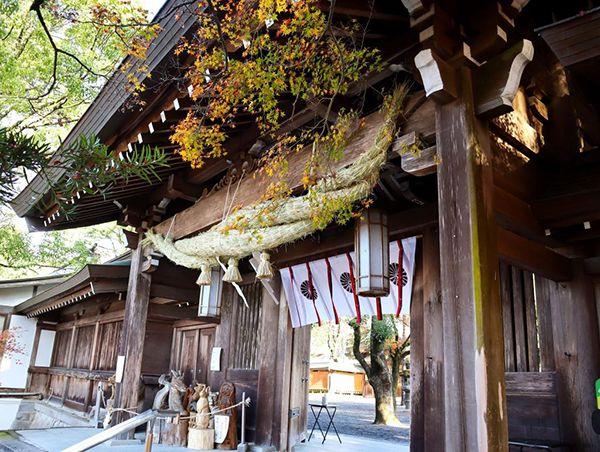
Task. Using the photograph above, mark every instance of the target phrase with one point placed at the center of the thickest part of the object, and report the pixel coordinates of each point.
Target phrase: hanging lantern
(209, 304)
(371, 245)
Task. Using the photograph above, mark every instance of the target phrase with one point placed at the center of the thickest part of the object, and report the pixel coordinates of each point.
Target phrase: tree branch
(36, 7)
(356, 348)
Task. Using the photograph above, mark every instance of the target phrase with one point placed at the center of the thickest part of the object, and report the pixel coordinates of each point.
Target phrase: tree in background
(56, 54)
(399, 350)
(54, 252)
(376, 357)
(330, 341)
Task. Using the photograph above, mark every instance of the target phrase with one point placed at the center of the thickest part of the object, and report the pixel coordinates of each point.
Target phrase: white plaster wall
(45, 346)
(13, 370)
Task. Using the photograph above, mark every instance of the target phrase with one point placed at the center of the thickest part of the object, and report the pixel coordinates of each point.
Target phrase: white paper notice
(120, 368)
(215, 359)
(221, 427)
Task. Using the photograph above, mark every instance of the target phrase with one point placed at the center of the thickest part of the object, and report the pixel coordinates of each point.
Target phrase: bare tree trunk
(379, 375)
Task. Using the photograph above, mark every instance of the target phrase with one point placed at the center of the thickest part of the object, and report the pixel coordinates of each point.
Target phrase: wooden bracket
(414, 6)
(439, 78)
(132, 238)
(519, 4)
(176, 188)
(498, 80)
(151, 263)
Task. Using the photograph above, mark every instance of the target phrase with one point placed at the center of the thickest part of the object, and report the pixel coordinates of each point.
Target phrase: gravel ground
(354, 417)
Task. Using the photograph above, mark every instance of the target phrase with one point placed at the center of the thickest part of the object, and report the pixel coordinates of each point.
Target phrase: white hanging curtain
(323, 290)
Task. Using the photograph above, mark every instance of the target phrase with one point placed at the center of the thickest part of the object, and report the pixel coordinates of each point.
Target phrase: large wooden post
(433, 344)
(475, 399)
(133, 335)
(417, 358)
(427, 349)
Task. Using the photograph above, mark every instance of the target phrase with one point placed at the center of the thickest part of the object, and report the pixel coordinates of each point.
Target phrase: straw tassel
(205, 277)
(265, 269)
(232, 274)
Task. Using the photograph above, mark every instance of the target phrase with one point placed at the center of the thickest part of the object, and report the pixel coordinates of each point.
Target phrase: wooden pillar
(427, 349)
(475, 399)
(433, 344)
(133, 334)
(281, 403)
(417, 359)
(576, 354)
(267, 376)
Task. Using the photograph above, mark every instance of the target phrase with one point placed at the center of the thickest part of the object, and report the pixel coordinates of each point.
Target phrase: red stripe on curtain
(292, 283)
(353, 284)
(330, 284)
(378, 304)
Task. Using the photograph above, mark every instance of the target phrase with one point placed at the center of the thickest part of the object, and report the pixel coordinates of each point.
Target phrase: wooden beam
(174, 292)
(172, 311)
(210, 209)
(498, 80)
(420, 163)
(475, 403)
(401, 224)
(532, 256)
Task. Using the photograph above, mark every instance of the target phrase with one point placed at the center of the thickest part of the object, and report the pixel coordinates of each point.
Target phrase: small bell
(232, 274)
(265, 269)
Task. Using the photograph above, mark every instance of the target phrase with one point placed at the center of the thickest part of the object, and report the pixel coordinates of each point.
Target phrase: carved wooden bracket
(151, 263)
(519, 4)
(498, 80)
(132, 238)
(414, 6)
(439, 78)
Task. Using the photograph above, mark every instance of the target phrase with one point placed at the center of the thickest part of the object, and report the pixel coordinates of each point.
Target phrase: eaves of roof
(85, 276)
(112, 97)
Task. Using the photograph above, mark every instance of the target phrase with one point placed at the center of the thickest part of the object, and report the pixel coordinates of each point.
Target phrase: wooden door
(192, 346)
(299, 376)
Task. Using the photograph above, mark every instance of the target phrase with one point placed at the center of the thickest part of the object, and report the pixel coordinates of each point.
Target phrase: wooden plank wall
(521, 348)
(532, 406)
(85, 352)
(576, 354)
(238, 335)
(531, 391)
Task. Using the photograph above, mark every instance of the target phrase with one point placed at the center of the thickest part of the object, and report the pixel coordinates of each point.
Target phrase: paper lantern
(209, 304)
(371, 245)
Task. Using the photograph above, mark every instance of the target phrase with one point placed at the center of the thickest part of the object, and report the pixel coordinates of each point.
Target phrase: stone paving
(355, 416)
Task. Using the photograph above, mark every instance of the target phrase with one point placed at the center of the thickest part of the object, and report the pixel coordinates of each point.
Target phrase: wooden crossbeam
(532, 256)
(210, 210)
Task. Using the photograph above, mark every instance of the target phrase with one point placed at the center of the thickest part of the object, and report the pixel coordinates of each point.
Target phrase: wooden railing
(147, 417)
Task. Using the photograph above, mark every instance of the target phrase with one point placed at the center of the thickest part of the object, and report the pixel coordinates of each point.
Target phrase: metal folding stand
(316, 423)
